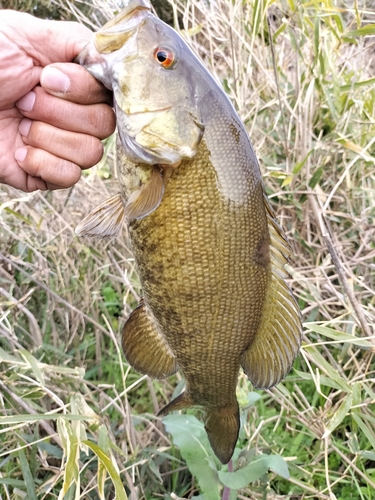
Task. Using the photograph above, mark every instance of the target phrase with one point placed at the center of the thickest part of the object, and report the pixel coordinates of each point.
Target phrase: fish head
(151, 71)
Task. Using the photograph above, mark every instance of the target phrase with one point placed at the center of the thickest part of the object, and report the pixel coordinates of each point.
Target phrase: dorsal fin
(277, 341)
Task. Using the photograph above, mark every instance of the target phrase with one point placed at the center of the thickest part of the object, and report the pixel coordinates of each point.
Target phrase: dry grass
(308, 102)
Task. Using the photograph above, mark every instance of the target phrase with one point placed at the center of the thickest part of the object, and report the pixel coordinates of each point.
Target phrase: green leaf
(34, 365)
(357, 85)
(329, 370)
(316, 177)
(102, 471)
(71, 472)
(189, 435)
(12, 482)
(327, 381)
(370, 455)
(5, 356)
(339, 414)
(253, 397)
(27, 476)
(369, 29)
(17, 419)
(338, 336)
(298, 166)
(366, 431)
(111, 469)
(254, 470)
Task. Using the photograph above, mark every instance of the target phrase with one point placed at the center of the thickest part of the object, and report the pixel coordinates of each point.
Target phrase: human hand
(48, 133)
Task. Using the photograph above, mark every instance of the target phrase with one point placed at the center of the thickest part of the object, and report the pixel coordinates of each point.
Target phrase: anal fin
(276, 344)
(145, 347)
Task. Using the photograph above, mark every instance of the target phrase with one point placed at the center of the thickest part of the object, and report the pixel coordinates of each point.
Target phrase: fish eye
(165, 57)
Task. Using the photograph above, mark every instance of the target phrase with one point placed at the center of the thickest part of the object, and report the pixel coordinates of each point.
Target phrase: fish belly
(204, 268)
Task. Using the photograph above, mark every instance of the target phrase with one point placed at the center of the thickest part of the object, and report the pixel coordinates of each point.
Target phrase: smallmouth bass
(209, 251)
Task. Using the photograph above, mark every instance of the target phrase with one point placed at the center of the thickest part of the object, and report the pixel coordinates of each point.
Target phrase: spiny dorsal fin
(144, 346)
(105, 220)
(146, 199)
(276, 344)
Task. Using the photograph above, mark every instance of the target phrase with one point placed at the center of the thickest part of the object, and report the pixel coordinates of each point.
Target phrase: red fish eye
(165, 57)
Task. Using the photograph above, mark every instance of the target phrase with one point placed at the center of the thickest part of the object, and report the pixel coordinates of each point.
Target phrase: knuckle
(50, 168)
(32, 162)
(92, 152)
(109, 124)
(68, 174)
(103, 120)
(36, 135)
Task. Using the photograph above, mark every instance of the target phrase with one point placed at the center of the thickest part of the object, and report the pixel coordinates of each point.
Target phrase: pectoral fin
(147, 199)
(145, 347)
(105, 220)
(276, 344)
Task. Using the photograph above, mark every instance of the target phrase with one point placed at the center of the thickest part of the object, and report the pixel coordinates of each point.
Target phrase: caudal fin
(222, 426)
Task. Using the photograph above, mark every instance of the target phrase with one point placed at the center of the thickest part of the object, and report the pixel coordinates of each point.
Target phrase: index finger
(72, 82)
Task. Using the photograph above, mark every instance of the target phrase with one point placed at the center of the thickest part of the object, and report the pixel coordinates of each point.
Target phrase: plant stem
(226, 490)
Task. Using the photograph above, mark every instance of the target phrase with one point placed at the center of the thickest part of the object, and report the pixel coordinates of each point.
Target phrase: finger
(72, 82)
(92, 119)
(51, 169)
(82, 149)
(35, 184)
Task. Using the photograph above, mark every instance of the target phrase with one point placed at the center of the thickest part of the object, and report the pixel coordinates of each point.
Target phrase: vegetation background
(75, 420)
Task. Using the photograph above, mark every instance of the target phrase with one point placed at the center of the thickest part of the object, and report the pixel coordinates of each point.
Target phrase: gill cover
(157, 117)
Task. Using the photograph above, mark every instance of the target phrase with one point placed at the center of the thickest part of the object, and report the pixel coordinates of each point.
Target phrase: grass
(76, 420)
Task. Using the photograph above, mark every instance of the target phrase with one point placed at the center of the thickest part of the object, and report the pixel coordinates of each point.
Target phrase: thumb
(44, 41)
(63, 41)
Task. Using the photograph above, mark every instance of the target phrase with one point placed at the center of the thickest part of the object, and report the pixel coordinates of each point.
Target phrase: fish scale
(209, 288)
(209, 251)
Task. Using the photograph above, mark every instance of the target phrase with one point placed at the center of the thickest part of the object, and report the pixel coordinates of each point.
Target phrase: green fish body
(209, 251)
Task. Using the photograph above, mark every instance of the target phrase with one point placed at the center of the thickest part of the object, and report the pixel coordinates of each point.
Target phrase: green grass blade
(71, 473)
(17, 419)
(339, 415)
(27, 476)
(34, 365)
(111, 469)
(366, 431)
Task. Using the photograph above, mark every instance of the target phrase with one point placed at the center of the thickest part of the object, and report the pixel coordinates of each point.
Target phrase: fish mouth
(130, 17)
(112, 37)
(114, 34)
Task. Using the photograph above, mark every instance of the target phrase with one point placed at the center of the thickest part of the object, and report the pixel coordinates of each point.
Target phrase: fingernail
(20, 154)
(55, 80)
(26, 103)
(24, 127)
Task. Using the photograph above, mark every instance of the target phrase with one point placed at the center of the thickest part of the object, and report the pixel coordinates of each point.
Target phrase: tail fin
(181, 402)
(222, 426)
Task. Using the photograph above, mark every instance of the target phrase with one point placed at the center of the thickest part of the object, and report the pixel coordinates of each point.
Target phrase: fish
(208, 248)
